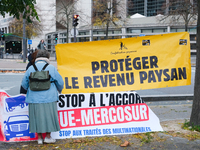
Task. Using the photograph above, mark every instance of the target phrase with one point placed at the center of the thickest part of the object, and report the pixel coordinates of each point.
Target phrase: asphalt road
(10, 82)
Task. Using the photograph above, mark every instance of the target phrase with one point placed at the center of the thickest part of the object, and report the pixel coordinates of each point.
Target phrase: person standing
(43, 115)
(31, 59)
(42, 45)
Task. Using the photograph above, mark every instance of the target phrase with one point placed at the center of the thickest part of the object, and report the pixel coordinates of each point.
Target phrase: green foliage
(17, 7)
(192, 127)
(147, 138)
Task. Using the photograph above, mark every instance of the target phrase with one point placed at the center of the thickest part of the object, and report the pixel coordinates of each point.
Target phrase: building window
(193, 46)
(180, 30)
(146, 30)
(133, 30)
(117, 31)
(63, 34)
(84, 33)
(159, 30)
(62, 40)
(192, 37)
(193, 30)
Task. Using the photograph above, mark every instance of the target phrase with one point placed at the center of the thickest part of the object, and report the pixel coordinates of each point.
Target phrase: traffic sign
(29, 41)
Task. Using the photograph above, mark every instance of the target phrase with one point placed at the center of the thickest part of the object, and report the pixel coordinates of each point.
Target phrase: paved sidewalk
(18, 64)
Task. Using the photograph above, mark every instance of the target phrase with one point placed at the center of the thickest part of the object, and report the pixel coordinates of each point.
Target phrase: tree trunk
(67, 34)
(186, 27)
(195, 115)
(107, 26)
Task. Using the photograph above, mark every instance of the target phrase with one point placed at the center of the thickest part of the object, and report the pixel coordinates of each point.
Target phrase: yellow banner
(136, 63)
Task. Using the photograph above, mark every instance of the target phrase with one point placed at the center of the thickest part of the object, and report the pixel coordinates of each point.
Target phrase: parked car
(17, 126)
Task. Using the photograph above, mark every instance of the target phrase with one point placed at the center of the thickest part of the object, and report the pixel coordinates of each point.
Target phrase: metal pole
(1, 49)
(24, 40)
(74, 34)
(91, 20)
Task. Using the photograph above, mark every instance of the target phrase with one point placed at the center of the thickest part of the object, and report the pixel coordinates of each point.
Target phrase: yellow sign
(136, 63)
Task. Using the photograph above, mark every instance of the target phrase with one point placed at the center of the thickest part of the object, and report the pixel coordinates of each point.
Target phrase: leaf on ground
(77, 141)
(125, 144)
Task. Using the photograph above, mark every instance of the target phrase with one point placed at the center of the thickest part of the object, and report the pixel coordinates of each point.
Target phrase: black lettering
(165, 72)
(67, 83)
(120, 79)
(95, 67)
(92, 100)
(118, 96)
(131, 98)
(158, 74)
(144, 63)
(174, 74)
(113, 66)
(138, 99)
(121, 64)
(74, 100)
(61, 102)
(88, 82)
(136, 65)
(124, 98)
(127, 64)
(104, 66)
(81, 98)
(143, 76)
(130, 79)
(112, 80)
(151, 77)
(68, 99)
(104, 81)
(96, 81)
(112, 100)
(153, 61)
(182, 73)
(75, 82)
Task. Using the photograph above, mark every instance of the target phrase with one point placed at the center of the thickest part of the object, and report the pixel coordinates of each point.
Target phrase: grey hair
(43, 53)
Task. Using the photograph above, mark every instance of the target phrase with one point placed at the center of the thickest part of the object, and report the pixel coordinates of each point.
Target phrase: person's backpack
(39, 80)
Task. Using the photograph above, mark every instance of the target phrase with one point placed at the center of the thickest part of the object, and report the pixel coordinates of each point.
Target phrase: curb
(4, 70)
(154, 98)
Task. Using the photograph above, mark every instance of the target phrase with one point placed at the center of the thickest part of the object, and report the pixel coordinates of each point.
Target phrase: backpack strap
(36, 69)
(45, 66)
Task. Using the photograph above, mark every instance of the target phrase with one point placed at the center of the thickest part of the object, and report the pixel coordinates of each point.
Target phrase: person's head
(42, 53)
(33, 55)
(42, 41)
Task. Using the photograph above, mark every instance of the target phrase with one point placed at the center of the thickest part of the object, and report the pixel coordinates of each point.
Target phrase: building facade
(149, 24)
(133, 27)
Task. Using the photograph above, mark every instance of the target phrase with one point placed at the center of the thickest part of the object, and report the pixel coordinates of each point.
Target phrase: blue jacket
(46, 96)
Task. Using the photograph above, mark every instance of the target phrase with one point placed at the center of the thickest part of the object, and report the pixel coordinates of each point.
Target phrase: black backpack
(39, 80)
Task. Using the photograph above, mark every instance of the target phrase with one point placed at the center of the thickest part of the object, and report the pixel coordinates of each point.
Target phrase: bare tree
(180, 11)
(195, 115)
(32, 29)
(108, 13)
(65, 10)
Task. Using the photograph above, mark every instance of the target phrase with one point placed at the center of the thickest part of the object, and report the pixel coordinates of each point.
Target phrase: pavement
(171, 112)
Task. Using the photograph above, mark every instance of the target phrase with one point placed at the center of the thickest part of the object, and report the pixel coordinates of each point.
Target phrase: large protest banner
(125, 64)
(81, 115)
(100, 114)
